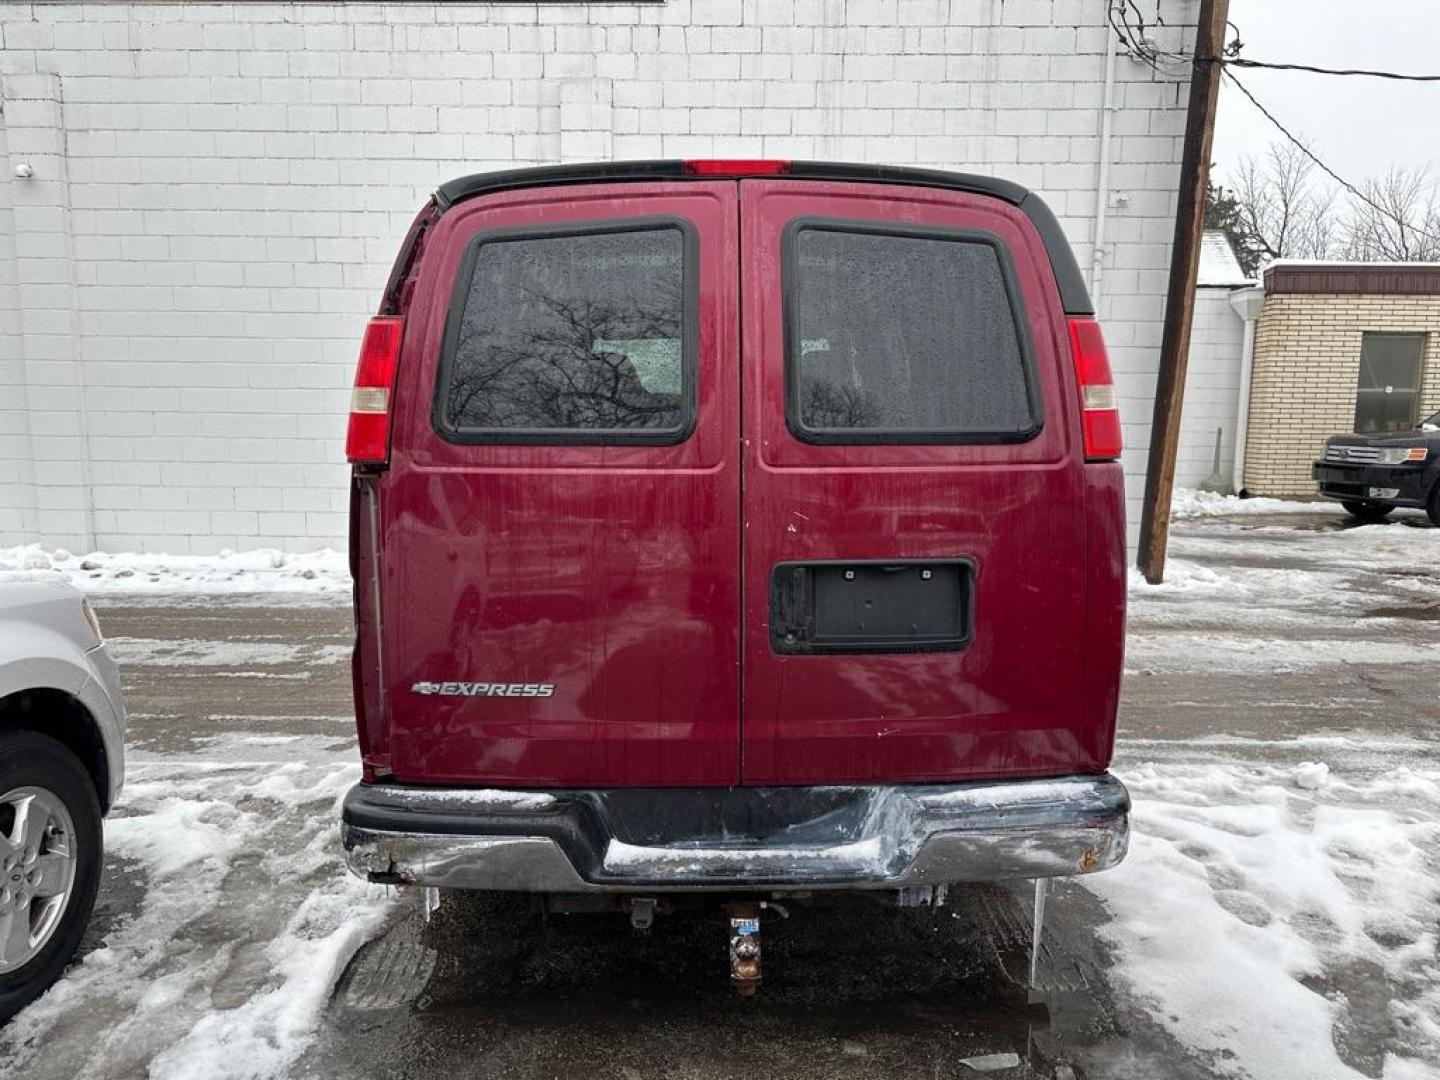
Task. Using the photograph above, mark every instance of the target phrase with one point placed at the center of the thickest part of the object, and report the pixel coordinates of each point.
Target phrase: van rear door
(914, 533)
(561, 514)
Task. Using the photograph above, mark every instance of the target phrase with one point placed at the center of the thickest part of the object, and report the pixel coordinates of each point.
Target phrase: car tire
(1366, 511)
(1432, 505)
(40, 775)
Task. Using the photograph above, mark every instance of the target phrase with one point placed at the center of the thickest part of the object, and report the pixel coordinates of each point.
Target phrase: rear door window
(904, 335)
(584, 334)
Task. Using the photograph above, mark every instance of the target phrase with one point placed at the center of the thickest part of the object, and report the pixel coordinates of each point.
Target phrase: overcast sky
(1359, 127)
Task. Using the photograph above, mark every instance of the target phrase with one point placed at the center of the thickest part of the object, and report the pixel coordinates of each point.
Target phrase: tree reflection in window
(580, 333)
(834, 405)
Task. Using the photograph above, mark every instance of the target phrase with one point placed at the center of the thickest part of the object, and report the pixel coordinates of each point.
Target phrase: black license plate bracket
(872, 606)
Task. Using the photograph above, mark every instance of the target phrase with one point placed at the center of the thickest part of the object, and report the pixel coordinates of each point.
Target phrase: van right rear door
(914, 534)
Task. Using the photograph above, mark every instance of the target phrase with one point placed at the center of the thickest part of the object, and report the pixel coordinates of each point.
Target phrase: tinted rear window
(580, 336)
(897, 335)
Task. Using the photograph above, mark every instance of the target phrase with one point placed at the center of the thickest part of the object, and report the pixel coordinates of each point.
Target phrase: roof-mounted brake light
(1099, 408)
(751, 167)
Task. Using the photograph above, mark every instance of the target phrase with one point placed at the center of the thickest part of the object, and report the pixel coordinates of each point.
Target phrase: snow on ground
(1269, 879)
(1251, 890)
(1255, 597)
(264, 570)
(1187, 502)
(1202, 653)
(246, 921)
(1281, 900)
(1312, 566)
(193, 652)
(1327, 544)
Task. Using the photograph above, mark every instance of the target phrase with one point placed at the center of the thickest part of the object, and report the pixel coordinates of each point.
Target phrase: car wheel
(1366, 511)
(50, 857)
(1432, 506)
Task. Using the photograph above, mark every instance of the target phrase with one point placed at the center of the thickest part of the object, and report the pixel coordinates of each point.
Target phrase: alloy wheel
(37, 872)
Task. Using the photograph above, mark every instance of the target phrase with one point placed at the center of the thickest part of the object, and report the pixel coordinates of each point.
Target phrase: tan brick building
(1338, 347)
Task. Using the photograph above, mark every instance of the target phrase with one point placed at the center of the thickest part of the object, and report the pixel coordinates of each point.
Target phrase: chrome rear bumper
(736, 839)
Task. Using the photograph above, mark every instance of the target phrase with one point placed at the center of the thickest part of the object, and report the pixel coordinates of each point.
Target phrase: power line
(1314, 70)
(1134, 39)
(1326, 169)
(1148, 53)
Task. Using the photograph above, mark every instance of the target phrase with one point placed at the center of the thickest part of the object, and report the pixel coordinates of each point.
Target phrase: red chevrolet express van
(743, 527)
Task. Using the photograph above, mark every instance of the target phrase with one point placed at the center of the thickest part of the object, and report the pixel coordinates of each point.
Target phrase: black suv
(1373, 474)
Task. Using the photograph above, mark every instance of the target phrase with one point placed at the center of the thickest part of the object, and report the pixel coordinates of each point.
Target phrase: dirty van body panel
(769, 488)
(835, 280)
(562, 534)
(1105, 598)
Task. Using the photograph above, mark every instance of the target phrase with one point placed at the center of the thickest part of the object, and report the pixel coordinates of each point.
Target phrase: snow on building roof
(1347, 263)
(1218, 265)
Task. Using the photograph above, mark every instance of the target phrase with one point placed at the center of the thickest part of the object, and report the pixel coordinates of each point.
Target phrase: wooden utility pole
(1180, 298)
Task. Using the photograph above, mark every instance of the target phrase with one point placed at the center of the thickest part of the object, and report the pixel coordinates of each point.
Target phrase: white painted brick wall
(1212, 389)
(17, 470)
(219, 190)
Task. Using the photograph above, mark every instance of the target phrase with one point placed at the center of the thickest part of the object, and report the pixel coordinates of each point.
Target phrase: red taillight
(367, 440)
(752, 167)
(1100, 411)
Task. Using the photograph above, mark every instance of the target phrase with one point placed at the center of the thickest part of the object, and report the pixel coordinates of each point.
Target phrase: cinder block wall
(1307, 369)
(219, 189)
(17, 480)
(1212, 389)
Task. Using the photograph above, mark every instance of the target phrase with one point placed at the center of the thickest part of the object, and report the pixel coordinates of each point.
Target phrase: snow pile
(1186, 578)
(1251, 890)
(1186, 502)
(264, 570)
(1310, 774)
(1194, 592)
(264, 1035)
(248, 919)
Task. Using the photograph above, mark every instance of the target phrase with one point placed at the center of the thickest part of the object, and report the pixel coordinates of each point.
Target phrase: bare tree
(1397, 220)
(1320, 229)
(1283, 208)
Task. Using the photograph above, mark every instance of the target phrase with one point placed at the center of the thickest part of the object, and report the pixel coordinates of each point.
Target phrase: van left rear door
(561, 515)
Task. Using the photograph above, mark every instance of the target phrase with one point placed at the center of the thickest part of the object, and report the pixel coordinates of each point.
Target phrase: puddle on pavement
(1417, 613)
(1313, 523)
(852, 988)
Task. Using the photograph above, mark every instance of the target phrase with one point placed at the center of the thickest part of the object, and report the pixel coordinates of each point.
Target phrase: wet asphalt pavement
(491, 987)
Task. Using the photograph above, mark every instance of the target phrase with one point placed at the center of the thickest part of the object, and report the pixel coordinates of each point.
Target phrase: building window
(1388, 395)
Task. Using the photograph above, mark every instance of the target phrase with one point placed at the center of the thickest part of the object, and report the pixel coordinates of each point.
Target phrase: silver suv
(62, 761)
